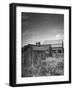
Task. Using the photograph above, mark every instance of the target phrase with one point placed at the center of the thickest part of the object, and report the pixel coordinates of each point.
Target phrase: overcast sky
(41, 27)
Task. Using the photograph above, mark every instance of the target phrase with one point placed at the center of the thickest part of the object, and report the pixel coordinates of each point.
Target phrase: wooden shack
(34, 54)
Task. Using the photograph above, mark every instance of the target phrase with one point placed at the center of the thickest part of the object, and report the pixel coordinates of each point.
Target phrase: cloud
(59, 36)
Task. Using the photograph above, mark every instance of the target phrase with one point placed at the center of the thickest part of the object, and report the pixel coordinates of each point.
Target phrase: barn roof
(41, 47)
(36, 47)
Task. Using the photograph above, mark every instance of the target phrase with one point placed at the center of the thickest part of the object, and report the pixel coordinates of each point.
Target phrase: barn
(34, 54)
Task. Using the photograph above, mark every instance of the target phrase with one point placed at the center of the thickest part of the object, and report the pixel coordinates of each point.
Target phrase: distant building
(57, 47)
(34, 54)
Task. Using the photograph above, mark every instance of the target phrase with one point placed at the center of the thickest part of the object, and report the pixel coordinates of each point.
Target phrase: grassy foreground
(51, 66)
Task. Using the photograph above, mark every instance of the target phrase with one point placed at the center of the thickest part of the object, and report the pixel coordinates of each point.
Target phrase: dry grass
(50, 67)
